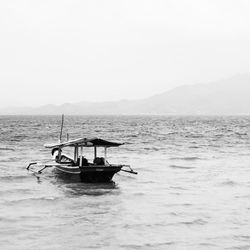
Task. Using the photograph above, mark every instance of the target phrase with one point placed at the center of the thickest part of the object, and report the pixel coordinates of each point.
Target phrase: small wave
(7, 220)
(219, 135)
(129, 143)
(148, 245)
(7, 149)
(240, 134)
(34, 199)
(245, 247)
(172, 133)
(242, 196)
(194, 136)
(180, 167)
(155, 148)
(151, 149)
(229, 183)
(179, 204)
(132, 136)
(14, 191)
(139, 194)
(156, 245)
(195, 222)
(206, 244)
(173, 214)
(12, 159)
(179, 188)
(13, 177)
(243, 237)
(18, 138)
(190, 158)
(147, 149)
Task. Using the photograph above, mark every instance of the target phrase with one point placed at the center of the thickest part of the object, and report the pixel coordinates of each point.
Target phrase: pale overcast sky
(57, 51)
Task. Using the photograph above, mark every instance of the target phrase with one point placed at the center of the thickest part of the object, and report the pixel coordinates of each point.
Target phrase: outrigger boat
(100, 170)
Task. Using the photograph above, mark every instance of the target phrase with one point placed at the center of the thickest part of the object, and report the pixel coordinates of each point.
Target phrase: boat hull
(90, 174)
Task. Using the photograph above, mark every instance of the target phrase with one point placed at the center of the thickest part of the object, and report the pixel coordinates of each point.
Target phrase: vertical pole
(95, 152)
(75, 155)
(81, 158)
(60, 138)
(105, 155)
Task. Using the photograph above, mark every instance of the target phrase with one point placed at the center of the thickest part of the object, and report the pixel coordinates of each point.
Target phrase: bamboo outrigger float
(97, 171)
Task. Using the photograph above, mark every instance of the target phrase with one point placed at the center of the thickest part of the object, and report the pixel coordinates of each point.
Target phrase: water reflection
(99, 189)
(73, 186)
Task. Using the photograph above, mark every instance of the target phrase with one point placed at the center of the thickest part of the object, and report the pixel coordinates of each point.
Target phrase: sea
(192, 190)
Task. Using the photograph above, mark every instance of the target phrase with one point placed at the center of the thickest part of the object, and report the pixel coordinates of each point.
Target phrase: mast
(60, 138)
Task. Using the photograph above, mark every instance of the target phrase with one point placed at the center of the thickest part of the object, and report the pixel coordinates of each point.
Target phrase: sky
(60, 51)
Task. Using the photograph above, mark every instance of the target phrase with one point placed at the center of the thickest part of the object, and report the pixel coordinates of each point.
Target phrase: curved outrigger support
(131, 171)
(44, 166)
(32, 163)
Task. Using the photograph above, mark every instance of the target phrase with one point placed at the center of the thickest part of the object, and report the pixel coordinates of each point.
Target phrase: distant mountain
(225, 97)
(229, 97)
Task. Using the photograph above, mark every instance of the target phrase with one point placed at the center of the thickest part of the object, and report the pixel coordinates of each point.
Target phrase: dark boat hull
(90, 174)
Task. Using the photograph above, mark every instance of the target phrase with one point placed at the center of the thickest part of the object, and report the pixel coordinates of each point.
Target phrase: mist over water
(192, 190)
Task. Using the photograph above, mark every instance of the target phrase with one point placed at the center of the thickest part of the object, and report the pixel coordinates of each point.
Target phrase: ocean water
(192, 190)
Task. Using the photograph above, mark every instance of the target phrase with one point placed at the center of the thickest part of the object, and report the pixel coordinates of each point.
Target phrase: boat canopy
(85, 142)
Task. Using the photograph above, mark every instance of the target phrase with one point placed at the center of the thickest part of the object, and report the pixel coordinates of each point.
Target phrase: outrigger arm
(131, 171)
(39, 171)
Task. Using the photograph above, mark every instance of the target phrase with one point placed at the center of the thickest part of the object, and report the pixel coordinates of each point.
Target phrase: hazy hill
(230, 97)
